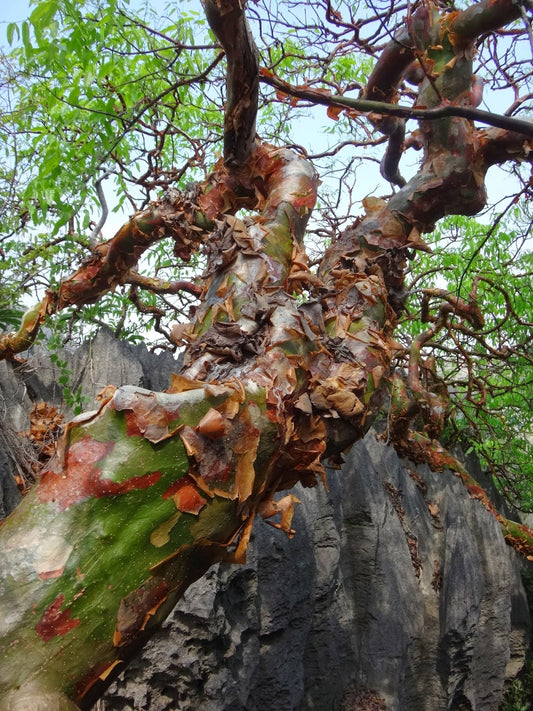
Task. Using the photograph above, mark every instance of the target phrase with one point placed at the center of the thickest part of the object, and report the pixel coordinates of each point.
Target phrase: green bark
(147, 494)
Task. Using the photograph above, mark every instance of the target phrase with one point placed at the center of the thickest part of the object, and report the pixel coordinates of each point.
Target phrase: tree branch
(173, 216)
(229, 24)
(367, 106)
(482, 17)
(162, 286)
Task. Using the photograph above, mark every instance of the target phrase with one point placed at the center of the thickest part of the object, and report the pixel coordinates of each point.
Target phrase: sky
(12, 12)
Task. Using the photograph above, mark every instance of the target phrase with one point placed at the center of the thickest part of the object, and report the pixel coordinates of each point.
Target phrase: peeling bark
(149, 491)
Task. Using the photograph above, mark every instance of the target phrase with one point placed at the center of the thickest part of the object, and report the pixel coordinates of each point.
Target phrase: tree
(287, 362)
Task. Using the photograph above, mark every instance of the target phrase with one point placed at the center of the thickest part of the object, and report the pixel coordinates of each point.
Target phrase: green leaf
(26, 41)
(12, 30)
(41, 17)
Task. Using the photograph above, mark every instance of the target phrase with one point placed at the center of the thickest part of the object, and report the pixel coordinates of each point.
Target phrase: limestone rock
(397, 592)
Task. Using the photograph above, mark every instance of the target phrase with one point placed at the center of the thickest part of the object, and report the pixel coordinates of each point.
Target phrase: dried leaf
(434, 510)
(285, 506)
(415, 241)
(334, 111)
(188, 500)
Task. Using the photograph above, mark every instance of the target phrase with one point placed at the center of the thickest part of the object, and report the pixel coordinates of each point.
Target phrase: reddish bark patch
(177, 485)
(132, 426)
(476, 492)
(185, 495)
(145, 415)
(54, 622)
(49, 574)
(81, 477)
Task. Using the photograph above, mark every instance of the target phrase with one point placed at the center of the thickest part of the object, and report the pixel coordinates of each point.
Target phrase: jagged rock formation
(397, 592)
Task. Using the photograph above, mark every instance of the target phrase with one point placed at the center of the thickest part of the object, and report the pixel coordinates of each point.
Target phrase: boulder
(397, 592)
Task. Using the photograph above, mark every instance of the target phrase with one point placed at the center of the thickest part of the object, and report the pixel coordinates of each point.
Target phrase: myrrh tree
(292, 347)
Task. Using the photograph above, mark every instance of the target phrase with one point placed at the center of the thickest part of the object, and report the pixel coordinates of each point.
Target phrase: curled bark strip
(95, 234)
(501, 145)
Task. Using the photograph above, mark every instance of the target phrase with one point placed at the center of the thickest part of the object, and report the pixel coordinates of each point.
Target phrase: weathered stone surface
(397, 592)
(9, 493)
(339, 611)
(15, 403)
(102, 361)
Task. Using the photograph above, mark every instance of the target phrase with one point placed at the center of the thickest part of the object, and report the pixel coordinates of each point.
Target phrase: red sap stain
(81, 478)
(54, 622)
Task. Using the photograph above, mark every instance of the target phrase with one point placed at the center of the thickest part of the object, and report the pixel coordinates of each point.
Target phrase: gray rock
(376, 597)
(15, 403)
(102, 361)
(9, 493)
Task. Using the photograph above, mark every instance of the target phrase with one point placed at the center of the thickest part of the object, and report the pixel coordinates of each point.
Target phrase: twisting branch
(173, 216)
(229, 24)
(366, 106)
(94, 236)
(269, 388)
(162, 286)
(527, 23)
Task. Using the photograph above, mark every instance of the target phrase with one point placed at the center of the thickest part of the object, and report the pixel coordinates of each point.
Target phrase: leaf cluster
(488, 371)
(99, 106)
